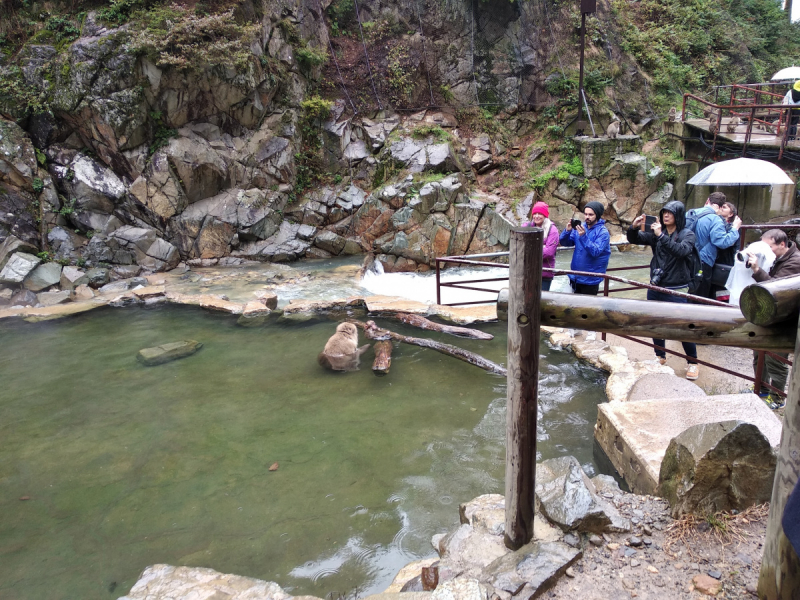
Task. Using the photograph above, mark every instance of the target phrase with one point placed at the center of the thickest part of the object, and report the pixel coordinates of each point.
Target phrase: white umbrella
(741, 171)
(787, 73)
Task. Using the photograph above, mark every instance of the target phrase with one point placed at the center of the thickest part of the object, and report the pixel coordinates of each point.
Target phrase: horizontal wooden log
(771, 301)
(383, 357)
(664, 320)
(424, 323)
(373, 332)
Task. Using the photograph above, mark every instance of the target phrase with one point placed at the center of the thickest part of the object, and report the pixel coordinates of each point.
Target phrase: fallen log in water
(424, 323)
(666, 320)
(771, 301)
(373, 332)
(383, 357)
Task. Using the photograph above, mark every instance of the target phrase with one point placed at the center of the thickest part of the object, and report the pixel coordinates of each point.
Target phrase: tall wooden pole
(524, 296)
(780, 567)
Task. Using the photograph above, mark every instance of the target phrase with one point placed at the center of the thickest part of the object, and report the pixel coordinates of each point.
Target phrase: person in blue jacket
(592, 249)
(711, 235)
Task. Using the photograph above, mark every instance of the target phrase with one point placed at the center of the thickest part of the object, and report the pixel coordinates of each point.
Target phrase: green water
(127, 466)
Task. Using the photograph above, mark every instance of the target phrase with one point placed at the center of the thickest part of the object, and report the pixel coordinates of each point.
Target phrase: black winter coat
(672, 253)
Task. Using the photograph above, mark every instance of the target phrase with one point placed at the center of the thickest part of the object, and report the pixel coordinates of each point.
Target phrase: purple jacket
(549, 251)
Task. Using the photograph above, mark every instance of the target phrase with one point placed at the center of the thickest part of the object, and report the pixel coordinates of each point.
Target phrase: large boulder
(18, 267)
(568, 498)
(159, 189)
(43, 276)
(530, 570)
(717, 466)
(17, 157)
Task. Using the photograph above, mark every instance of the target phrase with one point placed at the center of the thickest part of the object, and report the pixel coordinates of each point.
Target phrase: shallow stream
(108, 466)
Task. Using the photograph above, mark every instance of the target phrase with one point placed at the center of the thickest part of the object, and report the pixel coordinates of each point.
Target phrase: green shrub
(38, 185)
(308, 58)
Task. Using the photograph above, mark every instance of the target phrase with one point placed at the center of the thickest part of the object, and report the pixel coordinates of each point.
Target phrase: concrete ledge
(635, 435)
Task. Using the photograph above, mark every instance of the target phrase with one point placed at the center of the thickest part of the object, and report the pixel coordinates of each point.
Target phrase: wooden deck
(758, 137)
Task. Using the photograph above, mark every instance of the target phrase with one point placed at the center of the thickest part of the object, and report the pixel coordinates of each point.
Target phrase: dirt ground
(663, 558)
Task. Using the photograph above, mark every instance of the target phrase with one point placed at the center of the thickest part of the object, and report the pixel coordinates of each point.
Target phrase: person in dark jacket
(592, 249)
(787, 263)
(792, 98)
(672, 244)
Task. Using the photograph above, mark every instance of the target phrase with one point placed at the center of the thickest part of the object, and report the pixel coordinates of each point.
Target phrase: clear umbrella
(741, 171)
(789, 73)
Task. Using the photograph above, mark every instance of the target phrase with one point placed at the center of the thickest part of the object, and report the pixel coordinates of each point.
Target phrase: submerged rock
(165, 353)
(717, 466)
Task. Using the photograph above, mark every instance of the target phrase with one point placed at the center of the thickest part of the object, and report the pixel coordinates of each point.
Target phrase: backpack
(695, 264)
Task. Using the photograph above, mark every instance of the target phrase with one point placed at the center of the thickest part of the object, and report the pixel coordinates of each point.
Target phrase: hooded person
(540, 217)
(592, 244)
(672, 244)
(791, 98)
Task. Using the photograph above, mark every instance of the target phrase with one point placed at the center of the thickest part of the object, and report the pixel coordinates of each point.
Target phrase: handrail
(758, 384)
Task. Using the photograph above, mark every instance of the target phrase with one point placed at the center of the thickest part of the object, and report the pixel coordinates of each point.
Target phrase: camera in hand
(748, 262)
(575, 222)
(656, 275)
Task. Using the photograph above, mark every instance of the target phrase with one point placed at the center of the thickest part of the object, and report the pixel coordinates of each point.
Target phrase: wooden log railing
(772, 301)
(663, 320)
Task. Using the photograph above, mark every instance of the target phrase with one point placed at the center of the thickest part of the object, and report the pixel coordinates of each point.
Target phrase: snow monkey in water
(342, 353)
(613, 129)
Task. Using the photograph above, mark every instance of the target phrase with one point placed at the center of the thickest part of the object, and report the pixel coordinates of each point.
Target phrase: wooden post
(780, 566)
(771, 301)
(524, 296)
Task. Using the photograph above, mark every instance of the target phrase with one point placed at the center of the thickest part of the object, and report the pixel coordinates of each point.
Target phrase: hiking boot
(692, 372)
(772, 400)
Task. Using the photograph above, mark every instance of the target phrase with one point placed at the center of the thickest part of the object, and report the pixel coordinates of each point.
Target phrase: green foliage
(555, 131)
(119, 11)
(401, 74)
(447, 94)
(63, 29)
(40, 157)
(308, 58)
(564, 172)
(38, 185)
(44, 256)
(689, 45)
(161, 133)
(16, 96)
(561, 86)
(341, 13)
(425, 131)
(178, 38)
(316, 109)
(67, 208)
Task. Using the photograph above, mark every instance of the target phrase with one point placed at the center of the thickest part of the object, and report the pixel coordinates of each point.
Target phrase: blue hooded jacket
(592, 252)
(710, 233)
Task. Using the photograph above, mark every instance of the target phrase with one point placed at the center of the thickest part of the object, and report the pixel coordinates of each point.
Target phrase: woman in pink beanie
(540, 214)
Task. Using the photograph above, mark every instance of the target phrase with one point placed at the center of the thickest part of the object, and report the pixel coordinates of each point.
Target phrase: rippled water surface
(123, 466)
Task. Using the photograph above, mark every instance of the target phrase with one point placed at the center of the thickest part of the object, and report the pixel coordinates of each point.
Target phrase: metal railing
(773, 118)
(471, 260)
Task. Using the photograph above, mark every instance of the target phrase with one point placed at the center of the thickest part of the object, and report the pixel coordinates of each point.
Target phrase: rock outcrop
(717, 466)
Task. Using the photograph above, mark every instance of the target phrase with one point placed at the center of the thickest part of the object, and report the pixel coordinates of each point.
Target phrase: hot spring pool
(108, 466)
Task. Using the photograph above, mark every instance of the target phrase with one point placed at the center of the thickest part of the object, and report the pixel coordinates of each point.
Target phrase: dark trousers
(586, 290)
(775, 372)
(546, 281)
(794, 118)
(689, 348)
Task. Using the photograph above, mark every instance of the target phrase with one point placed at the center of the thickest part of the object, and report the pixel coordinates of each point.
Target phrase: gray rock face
(667, 385)
(470, 549)
(23, 298)
(11, 245)
(18, 267)
(165, 353)
(717, 466)
(43, 277)
(72, 277)
(532, 569)
(568, 498)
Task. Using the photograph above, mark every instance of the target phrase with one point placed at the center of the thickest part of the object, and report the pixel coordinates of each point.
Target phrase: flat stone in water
(168, 352)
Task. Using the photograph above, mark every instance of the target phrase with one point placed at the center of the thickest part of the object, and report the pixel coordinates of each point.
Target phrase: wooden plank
(524, 293)
(780, 567)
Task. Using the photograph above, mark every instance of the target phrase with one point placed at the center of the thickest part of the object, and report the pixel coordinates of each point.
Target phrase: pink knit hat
(541, 208)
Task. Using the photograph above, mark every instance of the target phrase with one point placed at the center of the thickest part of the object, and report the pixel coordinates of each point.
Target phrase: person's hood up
(676, 208)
